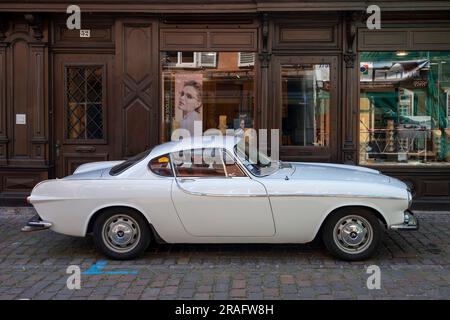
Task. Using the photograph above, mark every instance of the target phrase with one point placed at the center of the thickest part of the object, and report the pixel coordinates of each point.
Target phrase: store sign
(393, 71)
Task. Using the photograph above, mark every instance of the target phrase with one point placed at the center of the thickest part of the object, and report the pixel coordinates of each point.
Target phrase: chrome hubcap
(121, 233)
(353, 234)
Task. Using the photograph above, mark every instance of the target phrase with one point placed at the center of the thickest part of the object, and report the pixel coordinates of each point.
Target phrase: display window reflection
(305, 104)
(217, 88)
(404, 108)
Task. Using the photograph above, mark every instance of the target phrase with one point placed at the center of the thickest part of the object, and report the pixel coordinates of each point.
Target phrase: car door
(215, 198)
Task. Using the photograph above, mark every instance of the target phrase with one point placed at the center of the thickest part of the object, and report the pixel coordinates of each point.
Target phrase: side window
(231, 167)
(161, 166)
(206, 162)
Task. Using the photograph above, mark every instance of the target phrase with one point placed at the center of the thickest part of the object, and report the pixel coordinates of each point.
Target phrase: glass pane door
(305, 104)
(307, 108)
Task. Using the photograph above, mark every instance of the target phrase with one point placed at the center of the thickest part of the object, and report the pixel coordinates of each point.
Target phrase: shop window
(305, 117)
(404, 108)
(84, 102)
(212, 87)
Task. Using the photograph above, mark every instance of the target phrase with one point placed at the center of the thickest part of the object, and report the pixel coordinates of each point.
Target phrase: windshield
(259, 164)
(121, 167)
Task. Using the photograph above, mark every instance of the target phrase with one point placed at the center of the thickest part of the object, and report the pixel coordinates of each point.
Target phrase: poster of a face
(188, 100)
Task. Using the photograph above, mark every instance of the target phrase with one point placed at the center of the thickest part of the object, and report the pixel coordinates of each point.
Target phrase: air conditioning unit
(246, 59)
(208, 59)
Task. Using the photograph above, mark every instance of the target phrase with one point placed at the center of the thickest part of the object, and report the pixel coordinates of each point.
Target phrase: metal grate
(84, 92)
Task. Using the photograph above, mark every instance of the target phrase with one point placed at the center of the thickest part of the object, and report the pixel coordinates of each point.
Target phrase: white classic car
(175, 194)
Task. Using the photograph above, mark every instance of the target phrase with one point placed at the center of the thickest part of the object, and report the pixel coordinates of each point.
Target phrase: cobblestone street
(414, 265)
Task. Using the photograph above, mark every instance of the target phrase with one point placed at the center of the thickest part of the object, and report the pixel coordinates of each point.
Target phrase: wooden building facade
(337, 91)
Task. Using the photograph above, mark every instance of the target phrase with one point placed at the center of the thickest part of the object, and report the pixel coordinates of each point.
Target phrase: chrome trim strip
(283, 195)
(334, 195)
(217, 195)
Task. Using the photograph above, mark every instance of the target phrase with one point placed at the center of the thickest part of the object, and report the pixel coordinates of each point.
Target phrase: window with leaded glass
(84, 101)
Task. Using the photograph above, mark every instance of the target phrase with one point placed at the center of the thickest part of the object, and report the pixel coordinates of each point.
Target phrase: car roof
(212, 141)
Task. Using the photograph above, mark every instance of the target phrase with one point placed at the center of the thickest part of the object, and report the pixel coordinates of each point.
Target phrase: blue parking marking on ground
(97, 268)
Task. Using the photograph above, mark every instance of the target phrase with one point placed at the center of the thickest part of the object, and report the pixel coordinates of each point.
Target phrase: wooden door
(83, 110)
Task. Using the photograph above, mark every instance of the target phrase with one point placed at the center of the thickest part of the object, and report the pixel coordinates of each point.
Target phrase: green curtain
(436, 105)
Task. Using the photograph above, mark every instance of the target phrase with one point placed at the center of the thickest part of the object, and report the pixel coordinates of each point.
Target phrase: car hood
(328, 171)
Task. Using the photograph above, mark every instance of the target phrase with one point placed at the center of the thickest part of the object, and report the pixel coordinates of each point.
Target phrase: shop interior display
(404, 107)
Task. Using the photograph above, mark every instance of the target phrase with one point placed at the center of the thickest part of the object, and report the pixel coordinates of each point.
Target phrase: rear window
(121, 167)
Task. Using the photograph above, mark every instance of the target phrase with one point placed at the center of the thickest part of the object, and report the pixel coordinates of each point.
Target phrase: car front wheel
(352, 234)
(121, 234)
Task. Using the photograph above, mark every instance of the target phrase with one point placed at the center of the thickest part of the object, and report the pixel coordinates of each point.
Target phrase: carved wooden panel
(137, 126)
(137, 60)
(307, 36)
(3, 114)
(233, 39)
(23, 104)
(208, 39)
(348, 126)
(173, 39)
(437, 39)
(19, 98)
(101, 35)
(2, 92)
(404, 39)
(38, 102)
(390, 39)
(16, 181)
(435, 188)
(39, 151)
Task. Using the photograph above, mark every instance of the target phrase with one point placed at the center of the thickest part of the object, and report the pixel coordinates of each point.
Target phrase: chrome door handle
(182, 180)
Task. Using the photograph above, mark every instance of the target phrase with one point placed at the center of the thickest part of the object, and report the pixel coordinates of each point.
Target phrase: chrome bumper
(410, 222)
(36, 224)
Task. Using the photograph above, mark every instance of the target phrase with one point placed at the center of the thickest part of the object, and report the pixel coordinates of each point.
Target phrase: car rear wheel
(352, 234)
(121, 233)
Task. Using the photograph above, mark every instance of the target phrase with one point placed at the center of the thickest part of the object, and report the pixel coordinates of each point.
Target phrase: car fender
(105, 206)
(395, 217)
